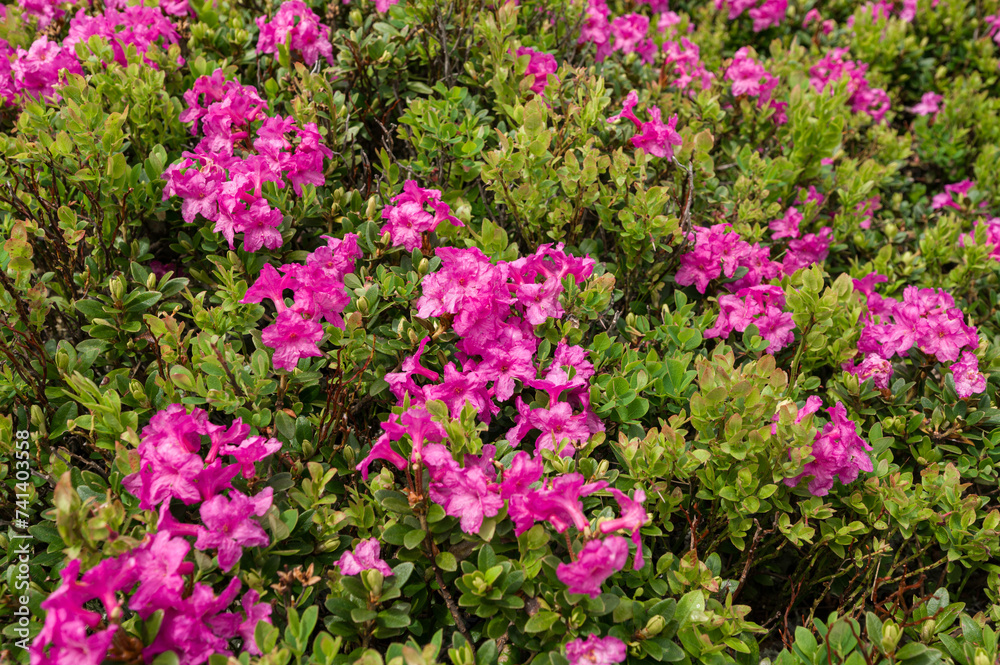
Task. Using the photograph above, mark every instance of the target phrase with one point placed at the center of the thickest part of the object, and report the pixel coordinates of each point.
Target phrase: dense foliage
(481, 332)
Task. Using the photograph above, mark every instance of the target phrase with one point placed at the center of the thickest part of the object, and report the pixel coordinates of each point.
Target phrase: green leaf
(413, 538)
(541, 622)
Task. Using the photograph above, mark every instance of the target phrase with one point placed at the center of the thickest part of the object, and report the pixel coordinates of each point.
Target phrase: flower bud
(423, 267)
(363, 306)
(38, 419)
(386, 239)
(62, 361)
(117, 285)
(372, 206)
(891, 230)
(981, 658)
(890, 636)
(151, 282)
(373, 582)
(927, 630)
(308, 449)
(655, 625)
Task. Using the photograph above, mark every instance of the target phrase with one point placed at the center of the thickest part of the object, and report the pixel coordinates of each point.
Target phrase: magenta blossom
(541, 66)
(298, 27)
(968, 379)
(292, 338)
(596, 651)
(229, 527)
(930, 104)
(364, 557)
(653, 137)
(598, 560)
(838, 452)
(632, 518)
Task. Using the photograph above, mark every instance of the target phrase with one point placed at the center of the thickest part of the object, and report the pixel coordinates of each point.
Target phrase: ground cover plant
(474, 332)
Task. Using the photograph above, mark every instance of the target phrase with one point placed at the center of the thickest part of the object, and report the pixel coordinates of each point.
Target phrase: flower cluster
(541, 66)
(654, 137)
(626, 33)
(813, 15)
(770, 13)
(407, 219)
(319, 294)
(135, 25)
(224, 186)
(155, 576)
(717, 252)
(298, 27)
(493, 307)
(762, 306)
(683, 60)
(926, 319)
(862, 97)
(838, 452)
(34, 73)
(946, 199)
(596, 651)
(751, 79)
(45, 11)
(992, 229)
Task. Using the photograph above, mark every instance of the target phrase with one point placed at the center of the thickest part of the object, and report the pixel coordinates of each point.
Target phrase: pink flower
(36, 71)
(468, 494)
(524, 471)
(630, 32)
(863, 98)
(407, 218)
(758, 305)
(873, 367)
(596, 651)
(769, 14)
(136, 25)
(557, 424)
(229, 527)
(292, 338)
(559, 504)
(787, 226)
(540, 65)
(364, 557)
(804, 252)
(654, 137)
(736, 7)
(598, 560)
(682, 59)
(930, 104)
(632, 518)
(297, 26)
(383, 451)
(255, 613)
(959, 189)
(838, 452)
(251, 451)
(717, 252)
(968, 379)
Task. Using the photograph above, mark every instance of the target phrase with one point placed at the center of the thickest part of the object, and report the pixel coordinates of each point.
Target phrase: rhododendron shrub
(388, 333)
